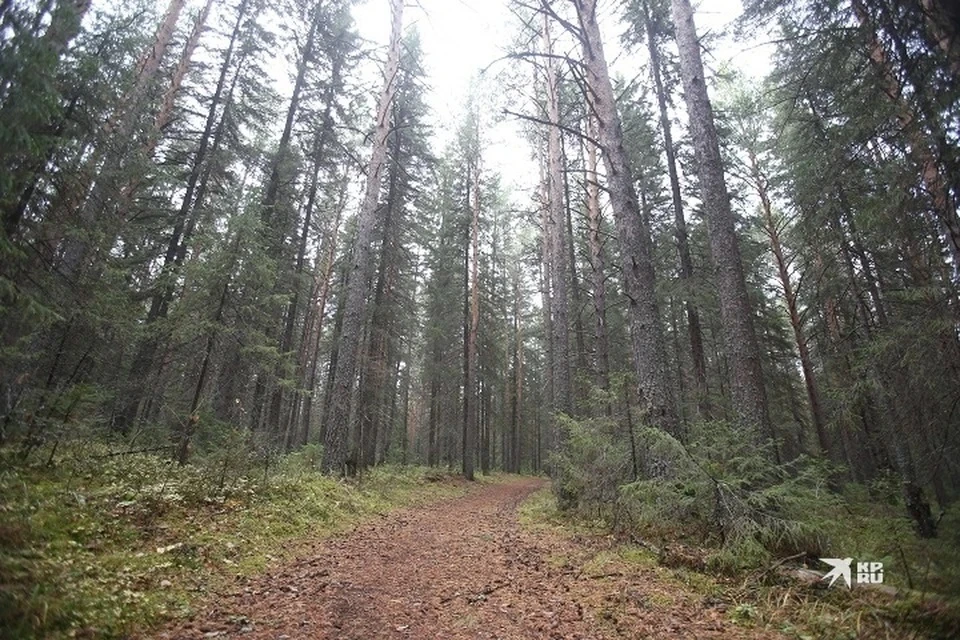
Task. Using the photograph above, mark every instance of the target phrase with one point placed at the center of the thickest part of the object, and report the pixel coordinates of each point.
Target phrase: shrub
(593, 463)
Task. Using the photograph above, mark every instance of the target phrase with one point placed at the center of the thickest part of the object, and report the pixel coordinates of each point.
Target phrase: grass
(101, 545)
(764, 599)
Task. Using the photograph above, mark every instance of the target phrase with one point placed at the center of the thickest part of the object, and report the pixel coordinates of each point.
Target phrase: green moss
(741, 573)
(103, 545)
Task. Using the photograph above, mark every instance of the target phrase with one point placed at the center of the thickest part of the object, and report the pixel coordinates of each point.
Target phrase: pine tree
(335, 445)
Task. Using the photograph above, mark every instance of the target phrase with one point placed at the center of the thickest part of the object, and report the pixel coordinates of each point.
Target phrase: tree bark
(471, 421)
(376, 364)
(597, 263)
(694, 332)
(743, 351)
(556, 237)
(165, 113)
(636, 248)
(103, 200)
(772, 229)
(335, 451)
(325, 276)
(575, 293)
(511, 452)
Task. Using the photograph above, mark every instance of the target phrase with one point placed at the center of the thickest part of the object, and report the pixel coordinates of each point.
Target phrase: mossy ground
(101, 545)
(761, 597)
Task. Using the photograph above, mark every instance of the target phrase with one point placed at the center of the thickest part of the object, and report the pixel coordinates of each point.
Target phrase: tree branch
(574, 132)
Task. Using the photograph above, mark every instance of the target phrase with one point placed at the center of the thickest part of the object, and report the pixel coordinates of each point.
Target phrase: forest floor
(458, 568)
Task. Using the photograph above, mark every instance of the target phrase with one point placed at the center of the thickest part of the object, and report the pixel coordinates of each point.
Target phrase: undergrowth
(759, 597)
(720, 508)
(96, 543)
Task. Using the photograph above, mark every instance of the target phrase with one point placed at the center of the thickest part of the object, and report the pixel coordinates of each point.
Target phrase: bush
(723, 491)
(591, 466)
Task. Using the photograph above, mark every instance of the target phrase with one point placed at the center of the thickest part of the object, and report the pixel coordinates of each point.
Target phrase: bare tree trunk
(433, 440)
(546, 297)
(749, 395)
(103, 198)
(575, 294)
(376, 365)
(772, 229)
(511, 454)
(325, 276)
(148, 67)
(335, 450)
(165, 113)
(636, 248)
(694, 332)
(555, 233)
(471, 421)
(597, 263)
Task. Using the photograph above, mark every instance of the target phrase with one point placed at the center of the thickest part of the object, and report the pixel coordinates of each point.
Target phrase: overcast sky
(460, 37)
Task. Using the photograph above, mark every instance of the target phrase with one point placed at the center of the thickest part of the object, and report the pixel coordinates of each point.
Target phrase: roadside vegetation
(716, 516)
(96, 542)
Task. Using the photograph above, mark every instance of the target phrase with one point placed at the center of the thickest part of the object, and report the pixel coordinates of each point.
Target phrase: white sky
(460, 37)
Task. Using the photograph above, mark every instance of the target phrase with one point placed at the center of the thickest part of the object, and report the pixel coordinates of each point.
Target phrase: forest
(632, 285)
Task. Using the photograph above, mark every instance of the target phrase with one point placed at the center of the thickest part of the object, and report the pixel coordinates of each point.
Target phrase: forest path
(456, 569)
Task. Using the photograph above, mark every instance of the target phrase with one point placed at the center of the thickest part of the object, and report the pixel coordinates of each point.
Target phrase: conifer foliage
(233, 221)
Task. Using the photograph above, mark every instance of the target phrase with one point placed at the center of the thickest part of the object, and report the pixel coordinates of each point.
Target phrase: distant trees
(195, 261)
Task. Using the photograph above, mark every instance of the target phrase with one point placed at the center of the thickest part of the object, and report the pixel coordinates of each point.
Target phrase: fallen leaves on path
(457, 569)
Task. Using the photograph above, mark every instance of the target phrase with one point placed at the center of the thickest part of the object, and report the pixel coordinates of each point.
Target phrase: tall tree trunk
(275, 230)
(694, 332)
(555, 233)
(272, 192)
(327, 403)
(575, 294)
(103, 200)
(375, 364)
(597, 263)
(433, 439)
(193, 418)
(147, 70)
(511, 445)
(636, 248)
(471, 422)
(185, 221)
(743, 352)
(772, 229)
(325, 275)
(319, 150)
(335, 450)
(545, 296)
(165, 113)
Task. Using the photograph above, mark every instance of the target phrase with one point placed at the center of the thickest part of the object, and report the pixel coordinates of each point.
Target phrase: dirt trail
(456, 569)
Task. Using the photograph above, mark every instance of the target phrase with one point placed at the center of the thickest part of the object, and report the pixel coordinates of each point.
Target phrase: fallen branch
(135, 451)
(601, 576)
